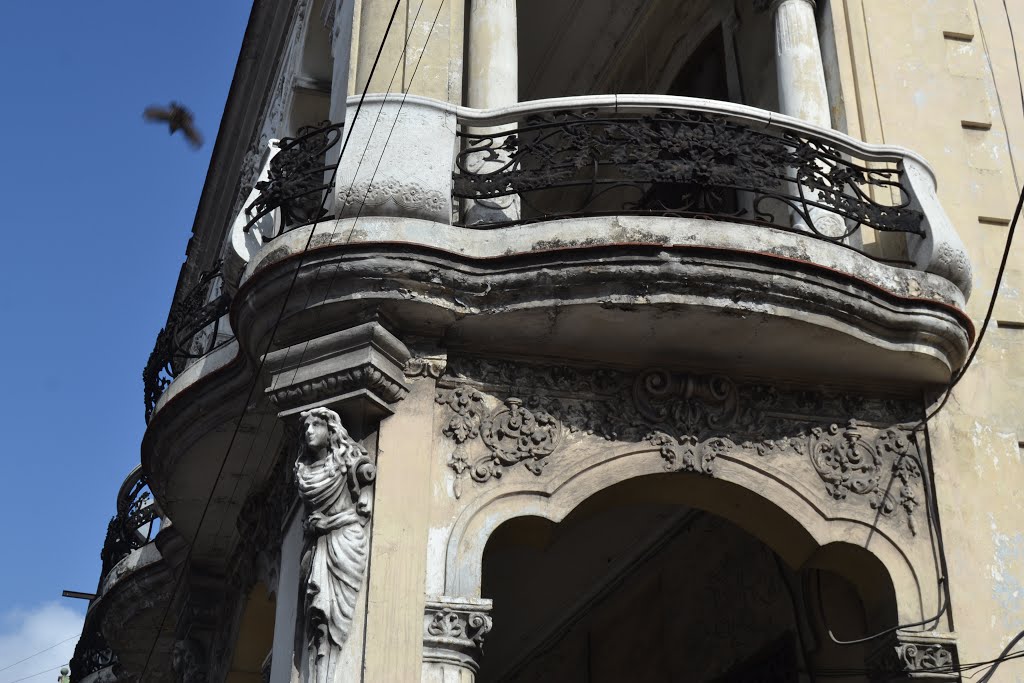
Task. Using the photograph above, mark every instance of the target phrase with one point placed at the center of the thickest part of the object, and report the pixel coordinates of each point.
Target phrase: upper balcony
(637, 228)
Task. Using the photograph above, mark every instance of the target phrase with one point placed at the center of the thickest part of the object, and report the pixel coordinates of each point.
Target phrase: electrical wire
(38, 673)
(263, 356)
(9, 666)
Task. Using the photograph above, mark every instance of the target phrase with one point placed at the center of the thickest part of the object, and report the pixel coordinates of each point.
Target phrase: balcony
(627, 227)
(636, 231)
(133, 589)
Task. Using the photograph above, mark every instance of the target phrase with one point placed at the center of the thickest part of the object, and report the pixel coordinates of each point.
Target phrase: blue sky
(97, 210)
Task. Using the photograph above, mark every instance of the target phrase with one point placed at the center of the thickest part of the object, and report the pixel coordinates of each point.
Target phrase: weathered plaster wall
(939, 77)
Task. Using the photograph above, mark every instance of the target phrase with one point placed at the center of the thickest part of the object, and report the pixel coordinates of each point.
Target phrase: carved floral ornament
(692, 420)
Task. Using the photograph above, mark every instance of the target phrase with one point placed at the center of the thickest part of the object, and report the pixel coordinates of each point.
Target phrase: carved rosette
(512, 433)
(454, 631)
(501, 415)
(883, 469)
(915, 656)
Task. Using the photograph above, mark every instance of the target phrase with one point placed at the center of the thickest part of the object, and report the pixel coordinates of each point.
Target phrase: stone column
(493, 59)
(801, 77)
(453, 636)
(493, 81)
(801, 74)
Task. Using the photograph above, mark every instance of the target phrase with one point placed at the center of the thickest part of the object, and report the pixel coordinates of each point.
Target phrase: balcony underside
(133, 607)
(624, 290)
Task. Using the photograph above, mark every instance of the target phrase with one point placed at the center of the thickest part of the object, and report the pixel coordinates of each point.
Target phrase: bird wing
(157, 114)
(192, 135)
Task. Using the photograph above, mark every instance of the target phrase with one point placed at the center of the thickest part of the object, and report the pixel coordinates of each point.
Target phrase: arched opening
(647, 588)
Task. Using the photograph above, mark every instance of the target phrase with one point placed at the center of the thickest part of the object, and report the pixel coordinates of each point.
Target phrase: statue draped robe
(338, 540)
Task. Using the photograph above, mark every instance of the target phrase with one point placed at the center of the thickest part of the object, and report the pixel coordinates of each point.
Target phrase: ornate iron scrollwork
(298, 177)
(92, 654)
(192, 331)
(134, 525)
(679, 163)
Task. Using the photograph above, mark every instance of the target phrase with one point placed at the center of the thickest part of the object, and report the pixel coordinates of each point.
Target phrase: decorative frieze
(501, 414)
(421, 367)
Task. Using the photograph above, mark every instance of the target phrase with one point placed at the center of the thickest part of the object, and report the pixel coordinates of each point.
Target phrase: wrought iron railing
(92, 653)
(682, 163)
(135, 524)
(193, 330)
(299, 175)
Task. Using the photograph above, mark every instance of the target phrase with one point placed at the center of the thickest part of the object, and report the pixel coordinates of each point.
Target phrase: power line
(38, 673)
(9, 666)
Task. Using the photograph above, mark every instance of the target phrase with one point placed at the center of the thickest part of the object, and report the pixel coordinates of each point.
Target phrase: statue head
(322, 429)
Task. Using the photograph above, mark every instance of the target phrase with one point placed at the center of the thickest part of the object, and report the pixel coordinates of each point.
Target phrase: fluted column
(493, 81)
(802, 91)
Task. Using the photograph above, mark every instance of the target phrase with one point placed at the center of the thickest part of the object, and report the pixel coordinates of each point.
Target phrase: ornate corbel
(359, 369)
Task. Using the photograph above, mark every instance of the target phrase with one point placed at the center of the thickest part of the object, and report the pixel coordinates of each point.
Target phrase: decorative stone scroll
(860, 448)
(915, 656)
(453, 632)
(333, 475)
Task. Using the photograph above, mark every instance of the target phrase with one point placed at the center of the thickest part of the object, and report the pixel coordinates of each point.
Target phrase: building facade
(588, 340)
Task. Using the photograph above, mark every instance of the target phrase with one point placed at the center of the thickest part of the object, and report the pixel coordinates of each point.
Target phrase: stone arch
(782, 513)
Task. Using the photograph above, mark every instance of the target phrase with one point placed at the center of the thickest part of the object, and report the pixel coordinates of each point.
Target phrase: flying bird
(177, 118)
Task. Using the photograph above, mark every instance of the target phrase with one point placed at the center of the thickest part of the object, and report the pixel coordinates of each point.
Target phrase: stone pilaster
(453, 637)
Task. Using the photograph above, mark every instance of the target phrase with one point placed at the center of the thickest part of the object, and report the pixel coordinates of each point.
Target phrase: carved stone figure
(332, 473)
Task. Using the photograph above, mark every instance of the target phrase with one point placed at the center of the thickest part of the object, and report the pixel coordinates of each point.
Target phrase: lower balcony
(134, 589)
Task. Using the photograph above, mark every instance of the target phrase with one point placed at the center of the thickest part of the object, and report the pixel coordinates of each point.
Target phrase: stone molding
(501, 414)
(454, 630)
(363, 363)
(906, 656)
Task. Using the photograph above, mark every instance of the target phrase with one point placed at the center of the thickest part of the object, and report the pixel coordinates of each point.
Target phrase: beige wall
(914, 73)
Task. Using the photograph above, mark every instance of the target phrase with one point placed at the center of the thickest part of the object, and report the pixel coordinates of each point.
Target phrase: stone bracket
(357, 370)
(915, 656)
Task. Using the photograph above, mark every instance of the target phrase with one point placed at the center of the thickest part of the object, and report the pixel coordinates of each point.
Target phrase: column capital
(917, 656)
(454, 631)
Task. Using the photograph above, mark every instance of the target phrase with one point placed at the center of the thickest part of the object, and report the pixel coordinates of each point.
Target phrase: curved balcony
(647, 225)
(632, 230)
(134, 587)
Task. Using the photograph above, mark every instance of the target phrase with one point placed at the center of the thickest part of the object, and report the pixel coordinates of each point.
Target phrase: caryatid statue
(332, 473)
